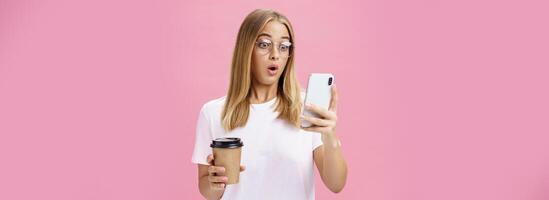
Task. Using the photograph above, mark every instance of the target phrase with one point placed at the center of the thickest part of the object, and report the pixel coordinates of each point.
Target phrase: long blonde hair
(237, 103)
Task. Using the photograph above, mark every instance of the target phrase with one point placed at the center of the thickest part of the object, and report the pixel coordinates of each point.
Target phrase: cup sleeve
(203, 139)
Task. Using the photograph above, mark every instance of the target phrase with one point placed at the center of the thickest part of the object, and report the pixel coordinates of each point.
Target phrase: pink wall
(438, 100)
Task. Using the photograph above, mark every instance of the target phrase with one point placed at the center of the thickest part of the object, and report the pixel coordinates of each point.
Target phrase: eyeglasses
(265, 46)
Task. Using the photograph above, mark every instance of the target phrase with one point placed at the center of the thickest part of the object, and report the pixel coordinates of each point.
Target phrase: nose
(275, 55)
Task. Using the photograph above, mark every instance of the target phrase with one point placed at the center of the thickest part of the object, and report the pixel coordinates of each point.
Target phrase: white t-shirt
(278, 156)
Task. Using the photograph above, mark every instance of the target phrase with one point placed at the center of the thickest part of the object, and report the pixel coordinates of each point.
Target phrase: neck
(263, 93)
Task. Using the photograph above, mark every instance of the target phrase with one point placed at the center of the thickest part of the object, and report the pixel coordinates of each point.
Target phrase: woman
(263, 108)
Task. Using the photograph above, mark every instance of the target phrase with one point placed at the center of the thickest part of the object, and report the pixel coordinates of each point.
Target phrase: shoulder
(213, 106)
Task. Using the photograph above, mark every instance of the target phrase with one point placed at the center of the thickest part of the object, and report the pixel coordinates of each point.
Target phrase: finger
(326, 114)
(242, 168)
(210, 159)
(218, 179)
(214, 170)
(316, 129)
(317, 121)
(333, 101)
(217, 186)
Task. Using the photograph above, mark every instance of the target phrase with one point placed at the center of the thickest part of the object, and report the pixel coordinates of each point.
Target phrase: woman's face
(270, 53)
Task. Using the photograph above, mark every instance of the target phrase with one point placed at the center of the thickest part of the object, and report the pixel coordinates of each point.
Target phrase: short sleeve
(317, 140)
(203, 138)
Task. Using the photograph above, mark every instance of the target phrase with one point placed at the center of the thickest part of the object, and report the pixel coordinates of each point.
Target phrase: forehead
(275, 29)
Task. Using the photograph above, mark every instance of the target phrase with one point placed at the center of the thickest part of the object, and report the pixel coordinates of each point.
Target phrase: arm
(330, 164)
(328, 157)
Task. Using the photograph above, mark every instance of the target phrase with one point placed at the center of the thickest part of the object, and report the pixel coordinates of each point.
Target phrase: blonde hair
(237, 104)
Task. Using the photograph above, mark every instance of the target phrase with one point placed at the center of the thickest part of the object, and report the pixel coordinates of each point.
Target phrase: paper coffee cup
(226, 152)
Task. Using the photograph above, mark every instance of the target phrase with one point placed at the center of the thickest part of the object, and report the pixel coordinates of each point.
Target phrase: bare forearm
(207, 191)
(334, 165)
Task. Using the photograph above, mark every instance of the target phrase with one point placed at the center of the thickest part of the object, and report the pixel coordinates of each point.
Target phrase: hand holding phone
(319, 93)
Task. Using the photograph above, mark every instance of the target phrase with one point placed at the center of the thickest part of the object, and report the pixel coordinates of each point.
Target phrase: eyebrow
(265, 34)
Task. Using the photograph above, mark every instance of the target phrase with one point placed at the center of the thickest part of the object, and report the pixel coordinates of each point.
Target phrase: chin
(269, 81)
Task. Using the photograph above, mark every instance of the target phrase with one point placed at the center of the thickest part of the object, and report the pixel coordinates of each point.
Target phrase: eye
(285, 46)
(264, 44)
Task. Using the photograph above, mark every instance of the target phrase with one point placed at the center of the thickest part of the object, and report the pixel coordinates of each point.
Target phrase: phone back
(318, 93)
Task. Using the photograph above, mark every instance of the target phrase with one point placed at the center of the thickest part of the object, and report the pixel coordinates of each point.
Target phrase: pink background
(438, 99)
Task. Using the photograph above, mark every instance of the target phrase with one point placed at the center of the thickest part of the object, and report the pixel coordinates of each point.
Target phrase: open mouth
(272, 69)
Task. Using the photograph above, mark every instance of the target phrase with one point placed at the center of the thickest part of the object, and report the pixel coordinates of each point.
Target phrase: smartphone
(319, 93)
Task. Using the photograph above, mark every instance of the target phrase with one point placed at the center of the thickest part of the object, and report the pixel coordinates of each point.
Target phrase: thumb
(210, 159)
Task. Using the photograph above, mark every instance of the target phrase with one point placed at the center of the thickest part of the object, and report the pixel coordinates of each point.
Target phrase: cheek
(258, 60)
(284, 64)
(256, 64)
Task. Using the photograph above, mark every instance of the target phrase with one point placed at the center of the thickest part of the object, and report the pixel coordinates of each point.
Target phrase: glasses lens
(265, 47)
